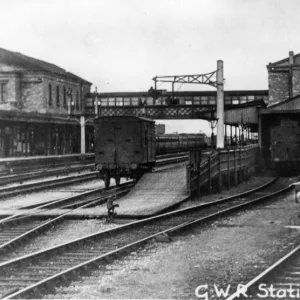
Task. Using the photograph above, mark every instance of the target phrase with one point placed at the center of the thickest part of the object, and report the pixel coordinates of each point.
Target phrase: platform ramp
(155, 192)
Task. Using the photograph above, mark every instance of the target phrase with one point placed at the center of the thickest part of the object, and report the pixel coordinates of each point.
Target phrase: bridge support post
(82, 135)
(220, 105)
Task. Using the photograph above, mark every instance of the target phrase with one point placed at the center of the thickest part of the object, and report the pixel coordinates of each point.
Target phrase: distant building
(36, 99)
(160, 129)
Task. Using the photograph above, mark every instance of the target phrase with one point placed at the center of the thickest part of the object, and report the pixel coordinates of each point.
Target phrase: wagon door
(128, 144)
(105, 144)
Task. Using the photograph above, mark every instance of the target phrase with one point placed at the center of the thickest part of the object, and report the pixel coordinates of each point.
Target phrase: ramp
(155, 192)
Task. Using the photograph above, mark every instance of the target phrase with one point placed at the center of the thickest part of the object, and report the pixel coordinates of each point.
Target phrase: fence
(223, 167)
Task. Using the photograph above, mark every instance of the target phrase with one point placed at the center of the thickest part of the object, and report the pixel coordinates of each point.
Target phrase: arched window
(50, 95)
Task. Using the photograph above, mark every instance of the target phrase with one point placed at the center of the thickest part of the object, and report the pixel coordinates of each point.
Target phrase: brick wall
(31, 95)
(296, 82)
(278, 87)
(279, 78)
(29, 92)
(72, 89)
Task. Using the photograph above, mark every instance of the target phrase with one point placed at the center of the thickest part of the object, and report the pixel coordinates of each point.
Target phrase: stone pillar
(220, 105)
(82, 128)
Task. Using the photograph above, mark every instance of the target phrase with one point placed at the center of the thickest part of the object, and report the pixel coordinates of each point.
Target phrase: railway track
(18, 228)
(45, 184)
(13, 190)
(279, 281)
(28, 275)
(61, 171)
(18, 178)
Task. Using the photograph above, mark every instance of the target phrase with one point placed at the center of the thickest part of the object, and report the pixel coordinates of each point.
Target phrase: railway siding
(230, 251)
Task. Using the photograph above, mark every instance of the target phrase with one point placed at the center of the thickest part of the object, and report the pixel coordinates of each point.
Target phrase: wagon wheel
(117, 179)
(106, 180)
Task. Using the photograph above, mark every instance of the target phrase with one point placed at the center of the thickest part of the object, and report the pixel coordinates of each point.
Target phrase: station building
(279, 121)
(40, 106)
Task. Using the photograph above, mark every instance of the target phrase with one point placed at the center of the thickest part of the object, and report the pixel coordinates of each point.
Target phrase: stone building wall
(29, 92)
(278, 87)
(284, 78)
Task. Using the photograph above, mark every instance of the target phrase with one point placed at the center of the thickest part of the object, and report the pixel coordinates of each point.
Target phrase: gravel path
(229, 251)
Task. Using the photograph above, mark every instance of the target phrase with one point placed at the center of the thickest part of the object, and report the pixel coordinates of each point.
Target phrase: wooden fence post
(235, 168)
(198, 179)
(245, 163)
(188, 179)
(241, 167)
(209, 174)
(228, 169)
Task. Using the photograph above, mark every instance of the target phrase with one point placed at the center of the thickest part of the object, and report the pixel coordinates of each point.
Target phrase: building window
(50, 94)
(204, 100)
(135, 101)
(57, 97)
(65, 97)
(188, 101)
(235, 100)
(227, 100)
(119, 101)
(77, 100)
(70, 93)
(196, 100)
(104, 102)
(111, 101)
(212, 100)
(3, 92)
(243, 99)
(126, 101)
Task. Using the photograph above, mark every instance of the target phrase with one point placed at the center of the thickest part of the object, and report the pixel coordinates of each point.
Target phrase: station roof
(36, 118)
(246, 113)
(290, 105)
(32, 64)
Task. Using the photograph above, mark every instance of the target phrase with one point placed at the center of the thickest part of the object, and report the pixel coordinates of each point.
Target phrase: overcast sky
(120, 45)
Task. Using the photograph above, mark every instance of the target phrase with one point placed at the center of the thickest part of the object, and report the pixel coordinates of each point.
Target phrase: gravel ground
(229, 251)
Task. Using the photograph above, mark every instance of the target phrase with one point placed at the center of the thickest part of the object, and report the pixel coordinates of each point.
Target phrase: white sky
(120, 45)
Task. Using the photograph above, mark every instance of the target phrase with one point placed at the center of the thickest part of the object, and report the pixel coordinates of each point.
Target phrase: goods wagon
(182, 142)
(285, 144)
(124, 147)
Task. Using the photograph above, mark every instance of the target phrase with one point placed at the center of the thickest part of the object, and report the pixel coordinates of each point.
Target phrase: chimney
(291, 57)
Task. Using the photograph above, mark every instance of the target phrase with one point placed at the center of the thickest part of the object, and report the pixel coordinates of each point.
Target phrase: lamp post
(97, 102)
(213, 123)
(243, 126)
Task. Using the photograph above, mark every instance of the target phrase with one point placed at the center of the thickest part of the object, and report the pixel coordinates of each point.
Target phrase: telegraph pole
(220, 105)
